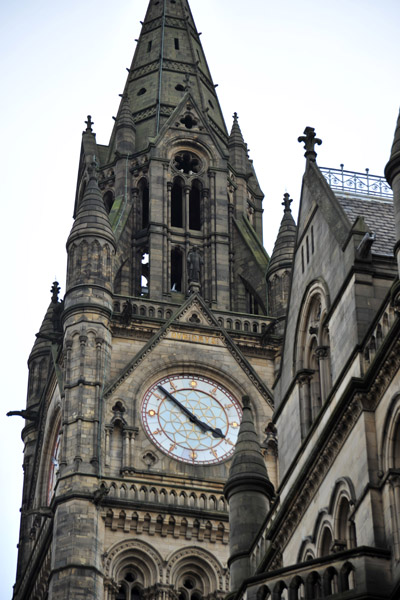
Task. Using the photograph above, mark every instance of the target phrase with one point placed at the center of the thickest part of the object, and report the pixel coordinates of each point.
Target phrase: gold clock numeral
(228, 441)
(157, 432)
(214, 452)
(157, 396)
(193, 455)
(171, 383)
(228, 405)
(172, 447)
(193, 384)
(214, 391)
(234, 425)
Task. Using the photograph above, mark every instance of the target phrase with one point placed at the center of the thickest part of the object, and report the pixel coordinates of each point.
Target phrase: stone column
(185, 208)
(322, 353)
(304, 379)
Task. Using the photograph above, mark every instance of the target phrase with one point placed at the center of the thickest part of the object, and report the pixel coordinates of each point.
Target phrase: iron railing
(358, 183)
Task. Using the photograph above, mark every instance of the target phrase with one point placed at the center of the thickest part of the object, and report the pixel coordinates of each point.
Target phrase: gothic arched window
(313, 356)
(326, 542)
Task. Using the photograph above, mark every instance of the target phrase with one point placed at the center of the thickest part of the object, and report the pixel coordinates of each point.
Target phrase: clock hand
(192, 417)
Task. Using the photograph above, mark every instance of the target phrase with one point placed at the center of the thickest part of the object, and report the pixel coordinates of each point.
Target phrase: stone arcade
(181, 354)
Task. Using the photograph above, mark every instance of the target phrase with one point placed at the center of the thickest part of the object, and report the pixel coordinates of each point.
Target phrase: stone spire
(249, 492)
(237, 147)
(392, 173)
(169, 53)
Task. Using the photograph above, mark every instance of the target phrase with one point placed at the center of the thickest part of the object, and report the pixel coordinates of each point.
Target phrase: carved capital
(304, 376)
(322, 352)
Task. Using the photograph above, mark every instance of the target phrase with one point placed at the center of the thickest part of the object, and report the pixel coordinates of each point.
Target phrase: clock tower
(137, 376)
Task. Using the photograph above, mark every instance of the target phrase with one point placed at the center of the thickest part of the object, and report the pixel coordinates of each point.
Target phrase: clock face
(192, 418)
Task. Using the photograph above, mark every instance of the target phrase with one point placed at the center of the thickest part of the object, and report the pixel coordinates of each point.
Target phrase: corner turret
(91, 242)
(249, 493)
(237, 148)
(281, 263)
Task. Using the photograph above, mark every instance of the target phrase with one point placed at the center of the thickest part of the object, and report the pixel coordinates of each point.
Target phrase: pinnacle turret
(125, 131)
(249, 492)
(282, 255)
(248, 470)
(238, 156)
(92, 218)
(51, 325)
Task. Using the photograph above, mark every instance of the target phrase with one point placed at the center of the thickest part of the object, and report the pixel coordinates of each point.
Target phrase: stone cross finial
(310, 141)
(55, 290)
(89, 124)
(287, 201)
(235, 117)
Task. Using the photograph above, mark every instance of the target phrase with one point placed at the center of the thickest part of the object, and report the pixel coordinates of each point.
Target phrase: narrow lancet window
(177, 203)
(195, 207)
(176, 270)
(144, 202)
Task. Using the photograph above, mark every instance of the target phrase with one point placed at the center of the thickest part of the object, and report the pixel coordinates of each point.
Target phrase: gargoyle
(29, 415)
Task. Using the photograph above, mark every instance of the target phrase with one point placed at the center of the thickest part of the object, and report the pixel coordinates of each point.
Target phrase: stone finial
(235, 117)
(89, 124)
(310, 141)
(287, 201)
(55, 290)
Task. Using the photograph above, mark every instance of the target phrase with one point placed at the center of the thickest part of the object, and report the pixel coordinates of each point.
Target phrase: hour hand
(192, 417)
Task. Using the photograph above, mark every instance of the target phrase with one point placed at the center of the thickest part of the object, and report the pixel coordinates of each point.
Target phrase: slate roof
(379, 216)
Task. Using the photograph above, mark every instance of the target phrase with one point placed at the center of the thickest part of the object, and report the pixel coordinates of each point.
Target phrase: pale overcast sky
(333, 65)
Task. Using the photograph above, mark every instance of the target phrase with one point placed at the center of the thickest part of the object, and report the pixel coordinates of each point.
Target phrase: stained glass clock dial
(192, 418)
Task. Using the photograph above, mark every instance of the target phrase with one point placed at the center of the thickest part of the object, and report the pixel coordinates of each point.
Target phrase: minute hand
(192, 417)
